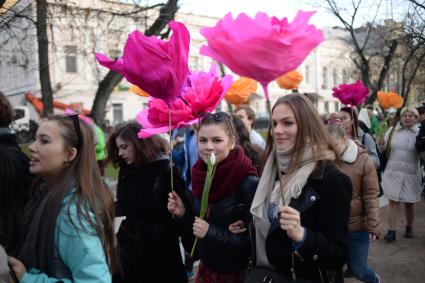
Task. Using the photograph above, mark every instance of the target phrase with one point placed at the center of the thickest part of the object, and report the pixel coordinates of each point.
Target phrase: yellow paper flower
(240, 91)
(390, 100)
(137, 90)
(290, 80)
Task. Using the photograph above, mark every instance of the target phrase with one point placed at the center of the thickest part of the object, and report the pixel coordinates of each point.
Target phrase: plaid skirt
(206, 275)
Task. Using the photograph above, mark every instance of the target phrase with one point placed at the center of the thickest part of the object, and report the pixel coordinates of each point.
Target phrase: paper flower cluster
(203, 93)
(351, 94)
(263, 48)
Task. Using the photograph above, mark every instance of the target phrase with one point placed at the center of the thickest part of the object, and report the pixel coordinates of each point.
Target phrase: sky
(288, 8)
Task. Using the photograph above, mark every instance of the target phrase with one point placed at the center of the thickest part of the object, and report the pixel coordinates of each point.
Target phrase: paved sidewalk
(402, 261)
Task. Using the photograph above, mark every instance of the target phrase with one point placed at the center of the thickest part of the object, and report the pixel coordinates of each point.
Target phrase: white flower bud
(212, 159)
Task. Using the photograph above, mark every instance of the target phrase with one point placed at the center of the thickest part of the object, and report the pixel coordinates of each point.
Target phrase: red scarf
(227, 178)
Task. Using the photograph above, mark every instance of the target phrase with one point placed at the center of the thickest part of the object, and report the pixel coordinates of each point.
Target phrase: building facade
(79, 28)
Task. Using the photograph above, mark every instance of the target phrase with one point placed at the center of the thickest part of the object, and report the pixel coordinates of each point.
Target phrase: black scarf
(39, 249)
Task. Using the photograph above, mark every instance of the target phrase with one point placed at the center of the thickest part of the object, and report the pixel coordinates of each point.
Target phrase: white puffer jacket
(402, 178)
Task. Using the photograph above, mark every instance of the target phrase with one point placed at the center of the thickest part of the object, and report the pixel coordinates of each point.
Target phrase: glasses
(76, 122)
(218, 117)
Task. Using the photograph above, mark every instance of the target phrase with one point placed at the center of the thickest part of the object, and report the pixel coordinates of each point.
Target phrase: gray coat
(368, 141)
(402, 178)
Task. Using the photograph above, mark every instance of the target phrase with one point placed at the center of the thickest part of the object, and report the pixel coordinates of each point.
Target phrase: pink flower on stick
(203, 93)
(263, 48)
(351, 94)
(158, 67)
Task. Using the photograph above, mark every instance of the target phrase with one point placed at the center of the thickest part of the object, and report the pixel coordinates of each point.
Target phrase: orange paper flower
(137, 90)
(241, 90)
(290, 80)
(390, 100)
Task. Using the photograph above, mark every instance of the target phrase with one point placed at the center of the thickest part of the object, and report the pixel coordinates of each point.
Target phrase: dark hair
(253, 151)
(309, 127)
(90, 194)
(219, 118)
(250, 114)
(352, 111)
(12, 200)
(6, 111)
(146, 149)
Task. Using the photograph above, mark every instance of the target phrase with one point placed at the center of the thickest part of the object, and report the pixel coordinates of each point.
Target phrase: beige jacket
(358, 165)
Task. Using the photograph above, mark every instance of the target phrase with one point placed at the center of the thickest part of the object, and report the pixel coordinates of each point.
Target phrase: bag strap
(388, 147)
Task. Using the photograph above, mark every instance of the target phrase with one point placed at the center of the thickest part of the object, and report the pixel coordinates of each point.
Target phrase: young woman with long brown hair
(148, 237)
(305, 237)
(69, 220)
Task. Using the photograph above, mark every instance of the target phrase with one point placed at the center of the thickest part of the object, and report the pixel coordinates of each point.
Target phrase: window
(71, 59)
(324, 78)
(117, 110)
(336, 106)
(307, 74)
(327, 106)
(335, 77)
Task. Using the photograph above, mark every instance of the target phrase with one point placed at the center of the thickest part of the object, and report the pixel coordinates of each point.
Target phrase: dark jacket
(420, 138)
(148, 238)
(22, 191)
(221, 250)
(324, 205)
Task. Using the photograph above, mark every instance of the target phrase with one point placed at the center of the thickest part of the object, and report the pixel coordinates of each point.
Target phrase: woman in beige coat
(402, 178)
(364, 214)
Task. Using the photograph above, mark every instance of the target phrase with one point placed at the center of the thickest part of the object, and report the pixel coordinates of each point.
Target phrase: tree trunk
(383, 73)
(43, 58)
(112, 79)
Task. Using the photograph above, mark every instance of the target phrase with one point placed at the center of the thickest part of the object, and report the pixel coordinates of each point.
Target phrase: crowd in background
(58, 216)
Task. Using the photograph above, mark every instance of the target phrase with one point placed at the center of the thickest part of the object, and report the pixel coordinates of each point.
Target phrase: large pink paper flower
(158, 67)
(351, 94)
(202, 95)
(263, 48)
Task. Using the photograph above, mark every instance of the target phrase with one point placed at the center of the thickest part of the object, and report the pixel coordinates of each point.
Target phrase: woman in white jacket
(402, 177)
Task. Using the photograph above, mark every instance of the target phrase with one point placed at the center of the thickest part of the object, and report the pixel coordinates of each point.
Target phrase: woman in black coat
(302, 232)
(223, 255)
(148, 237)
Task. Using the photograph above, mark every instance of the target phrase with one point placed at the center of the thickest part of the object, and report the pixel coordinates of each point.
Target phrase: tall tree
(365, 52)
(43, 57)
(112, 79)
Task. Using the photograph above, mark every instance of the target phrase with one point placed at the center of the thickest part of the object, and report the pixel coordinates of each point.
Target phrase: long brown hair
(90, 194)
(309, 128)
(146, 149)
(6, 111)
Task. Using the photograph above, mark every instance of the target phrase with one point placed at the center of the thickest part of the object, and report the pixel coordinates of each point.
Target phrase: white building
(84, 27)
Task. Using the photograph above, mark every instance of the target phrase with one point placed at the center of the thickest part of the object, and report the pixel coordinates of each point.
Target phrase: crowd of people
(57, 216)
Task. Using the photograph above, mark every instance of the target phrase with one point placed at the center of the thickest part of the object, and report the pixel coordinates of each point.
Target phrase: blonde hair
(410, 109)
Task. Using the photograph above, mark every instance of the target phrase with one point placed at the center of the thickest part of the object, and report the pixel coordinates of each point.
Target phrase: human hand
(175, 205)
(200, 228)
(237, 227)
(18, 267)
(290, 222)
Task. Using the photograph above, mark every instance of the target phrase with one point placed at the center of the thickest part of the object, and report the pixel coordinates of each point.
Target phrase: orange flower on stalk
(390, 100)
(137, 90)
(240, 91)
(290, 80)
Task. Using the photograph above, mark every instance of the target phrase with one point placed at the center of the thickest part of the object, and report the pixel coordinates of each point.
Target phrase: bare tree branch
(112, 79)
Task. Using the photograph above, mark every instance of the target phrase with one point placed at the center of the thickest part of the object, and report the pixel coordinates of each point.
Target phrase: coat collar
(351, 152)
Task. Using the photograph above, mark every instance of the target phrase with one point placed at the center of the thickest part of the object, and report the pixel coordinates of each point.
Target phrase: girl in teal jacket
(69, 221)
